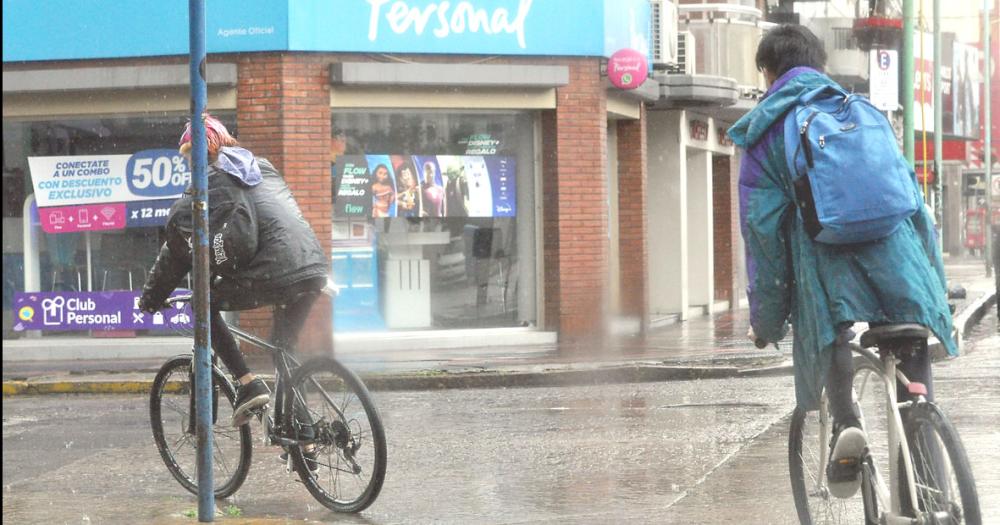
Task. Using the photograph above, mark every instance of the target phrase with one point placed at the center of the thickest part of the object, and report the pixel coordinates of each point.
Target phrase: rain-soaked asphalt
(711, 451)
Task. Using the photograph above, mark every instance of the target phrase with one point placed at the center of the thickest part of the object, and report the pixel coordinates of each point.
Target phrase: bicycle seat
(893, 332)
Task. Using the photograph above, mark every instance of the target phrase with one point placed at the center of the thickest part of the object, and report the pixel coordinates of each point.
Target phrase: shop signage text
(465, 16)
(627, 69)
(66, 29)
(104, 192)
(94, 311)
(698, 129)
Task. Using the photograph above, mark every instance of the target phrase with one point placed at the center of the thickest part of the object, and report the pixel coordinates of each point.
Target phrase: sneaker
(249, 397)
(310, 455)
(847, 450)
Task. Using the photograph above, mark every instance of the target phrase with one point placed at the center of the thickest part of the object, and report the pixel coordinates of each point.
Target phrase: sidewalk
(705, 347)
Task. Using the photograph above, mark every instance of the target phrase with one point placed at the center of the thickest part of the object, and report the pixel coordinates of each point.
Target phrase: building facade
(467, 167)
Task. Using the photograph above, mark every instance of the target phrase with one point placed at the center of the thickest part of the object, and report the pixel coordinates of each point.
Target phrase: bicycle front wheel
(335, 418)
(944, 482)
(172, 416)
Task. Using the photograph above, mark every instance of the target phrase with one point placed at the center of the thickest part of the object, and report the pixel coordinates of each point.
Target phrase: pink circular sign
(627, 69)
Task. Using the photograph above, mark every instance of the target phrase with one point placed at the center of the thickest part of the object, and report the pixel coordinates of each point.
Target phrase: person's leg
(288, 322)
(839, 381)
(228, 349)
(252, 393)
(849, 441)
(916, 366)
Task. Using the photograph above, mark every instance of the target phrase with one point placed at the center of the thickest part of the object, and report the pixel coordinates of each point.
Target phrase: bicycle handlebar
(184, 298)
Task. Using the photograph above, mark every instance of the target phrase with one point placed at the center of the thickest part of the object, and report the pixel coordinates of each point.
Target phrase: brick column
(575, 204)
(632, 218)
(283, 114)
(724, 225)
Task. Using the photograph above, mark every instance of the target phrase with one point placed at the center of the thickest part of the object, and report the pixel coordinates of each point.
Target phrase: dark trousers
(288, 322)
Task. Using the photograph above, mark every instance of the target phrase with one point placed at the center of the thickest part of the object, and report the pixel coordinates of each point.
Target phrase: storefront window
(434, 220)
(87, 245)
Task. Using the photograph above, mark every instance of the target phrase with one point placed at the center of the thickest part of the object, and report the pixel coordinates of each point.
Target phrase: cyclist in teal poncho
(822, 289)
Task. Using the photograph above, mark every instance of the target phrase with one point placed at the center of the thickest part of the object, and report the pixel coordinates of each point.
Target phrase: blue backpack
(852, 183)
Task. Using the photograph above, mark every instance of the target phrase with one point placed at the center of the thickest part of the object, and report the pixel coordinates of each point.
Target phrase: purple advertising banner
(95, 311)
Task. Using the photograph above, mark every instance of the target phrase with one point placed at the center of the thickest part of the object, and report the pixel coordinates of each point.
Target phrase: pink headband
(214, 130)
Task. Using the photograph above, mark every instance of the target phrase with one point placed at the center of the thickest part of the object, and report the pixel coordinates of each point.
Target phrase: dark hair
(788, 46)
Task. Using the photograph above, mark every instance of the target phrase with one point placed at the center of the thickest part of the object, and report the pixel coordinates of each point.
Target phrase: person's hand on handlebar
(147, 305)
(758, 342)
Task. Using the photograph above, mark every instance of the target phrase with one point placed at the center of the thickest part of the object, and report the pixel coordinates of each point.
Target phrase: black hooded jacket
(259, 243)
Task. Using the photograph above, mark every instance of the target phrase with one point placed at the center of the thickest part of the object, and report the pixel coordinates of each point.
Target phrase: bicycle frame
(890, 375)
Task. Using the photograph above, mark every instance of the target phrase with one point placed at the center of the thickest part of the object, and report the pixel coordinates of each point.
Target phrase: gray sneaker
(843, 473)
(249, 397)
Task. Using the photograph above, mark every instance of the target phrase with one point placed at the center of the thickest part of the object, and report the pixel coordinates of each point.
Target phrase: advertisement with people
(424, 186)
(966, 81)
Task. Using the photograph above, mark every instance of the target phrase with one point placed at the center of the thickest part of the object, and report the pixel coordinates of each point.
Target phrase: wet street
(710, 451)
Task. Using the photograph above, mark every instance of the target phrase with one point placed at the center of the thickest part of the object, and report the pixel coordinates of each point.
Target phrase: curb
(618, 374)
(439, 381)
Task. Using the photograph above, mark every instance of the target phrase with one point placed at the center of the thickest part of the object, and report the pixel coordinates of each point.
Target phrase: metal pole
(199, 178)
(906, 80)
(988, 131)
(938, 201)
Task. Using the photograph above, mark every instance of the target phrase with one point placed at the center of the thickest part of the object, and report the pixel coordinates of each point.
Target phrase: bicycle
(315, 420)
(925, 486)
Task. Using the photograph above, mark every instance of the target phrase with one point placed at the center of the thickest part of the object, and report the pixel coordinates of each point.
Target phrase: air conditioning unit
(664, 33)
(685, 55)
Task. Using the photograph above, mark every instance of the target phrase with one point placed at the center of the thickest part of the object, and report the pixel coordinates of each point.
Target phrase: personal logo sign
(627, 69)
(101, 192)
(94, 311)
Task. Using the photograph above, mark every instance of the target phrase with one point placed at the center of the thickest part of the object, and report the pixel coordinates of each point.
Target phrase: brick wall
(725, 203)
(283, 114)
(575, 204)
(632, 218)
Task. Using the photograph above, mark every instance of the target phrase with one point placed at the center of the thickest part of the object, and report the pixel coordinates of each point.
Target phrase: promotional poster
(424, 186)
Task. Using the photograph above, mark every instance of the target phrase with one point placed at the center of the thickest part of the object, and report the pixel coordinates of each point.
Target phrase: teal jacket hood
(782, 96)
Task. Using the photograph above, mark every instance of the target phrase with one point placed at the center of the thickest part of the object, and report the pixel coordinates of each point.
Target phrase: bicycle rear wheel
(171, 415)
(337, 419)
(944, 482)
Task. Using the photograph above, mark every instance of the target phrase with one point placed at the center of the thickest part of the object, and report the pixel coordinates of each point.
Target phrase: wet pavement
(707, 451)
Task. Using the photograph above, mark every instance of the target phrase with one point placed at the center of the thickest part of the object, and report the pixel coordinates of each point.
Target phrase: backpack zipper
(804, 138)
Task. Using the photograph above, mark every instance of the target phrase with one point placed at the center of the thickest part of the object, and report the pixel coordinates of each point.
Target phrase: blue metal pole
(202, 327)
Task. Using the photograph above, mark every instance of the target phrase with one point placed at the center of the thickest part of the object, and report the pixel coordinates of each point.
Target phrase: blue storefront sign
(71, 29)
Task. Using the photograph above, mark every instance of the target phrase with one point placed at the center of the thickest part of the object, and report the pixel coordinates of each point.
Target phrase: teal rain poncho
(819, 286)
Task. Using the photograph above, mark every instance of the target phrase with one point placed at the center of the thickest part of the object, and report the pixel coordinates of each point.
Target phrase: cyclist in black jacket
(261, 252)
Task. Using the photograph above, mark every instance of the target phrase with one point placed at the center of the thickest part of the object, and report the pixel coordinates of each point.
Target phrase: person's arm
(173, 262)
(765, 213)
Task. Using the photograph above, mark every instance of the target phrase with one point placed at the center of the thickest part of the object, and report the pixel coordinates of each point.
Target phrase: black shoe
(847, 450)
(310, 456)
(249, 397)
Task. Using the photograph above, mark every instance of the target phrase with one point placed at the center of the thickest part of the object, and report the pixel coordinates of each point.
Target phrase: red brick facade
(633, 219)
(725, 203)
(574, 138)
(283, 113)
